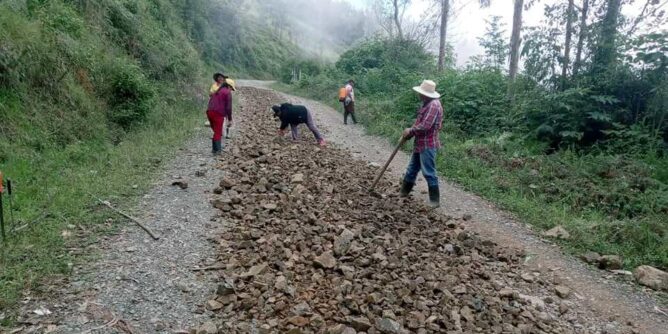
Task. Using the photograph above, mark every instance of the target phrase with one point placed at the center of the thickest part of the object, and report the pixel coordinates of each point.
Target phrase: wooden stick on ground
(135, 220)
(382, 171)
(214, 267)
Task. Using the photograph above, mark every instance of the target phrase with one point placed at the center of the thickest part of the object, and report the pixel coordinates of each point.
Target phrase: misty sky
(469, 21)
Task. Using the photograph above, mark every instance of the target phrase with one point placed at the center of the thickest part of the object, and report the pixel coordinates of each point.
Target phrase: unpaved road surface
(133, 283)
(294, 243)
(309, 250)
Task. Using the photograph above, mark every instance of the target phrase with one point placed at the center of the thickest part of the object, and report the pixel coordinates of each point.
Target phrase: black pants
(349, 110)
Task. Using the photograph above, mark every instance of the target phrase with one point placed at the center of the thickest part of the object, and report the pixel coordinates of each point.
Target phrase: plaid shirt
(427, 125)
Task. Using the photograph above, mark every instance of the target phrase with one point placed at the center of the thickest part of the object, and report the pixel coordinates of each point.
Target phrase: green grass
(53, 191)
(595, 197)
(94, 95)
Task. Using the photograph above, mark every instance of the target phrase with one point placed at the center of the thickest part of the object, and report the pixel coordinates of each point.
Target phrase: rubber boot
(434, 197)
(406, 188)
(217, 148)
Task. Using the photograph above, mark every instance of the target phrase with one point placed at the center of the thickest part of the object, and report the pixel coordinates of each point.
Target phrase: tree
(389, 14)
(397, 21)
(567, 44)
(605, 54)
(494, 43)
(515, 40)
(581, 37)
(651, 10)
(445, 12)
(446, 9)
(541, 53)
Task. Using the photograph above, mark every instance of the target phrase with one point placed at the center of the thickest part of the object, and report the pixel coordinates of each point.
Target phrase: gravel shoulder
(133, 283)
(601, 293)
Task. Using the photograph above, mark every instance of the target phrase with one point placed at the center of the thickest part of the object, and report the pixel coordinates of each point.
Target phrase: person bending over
(294, 115)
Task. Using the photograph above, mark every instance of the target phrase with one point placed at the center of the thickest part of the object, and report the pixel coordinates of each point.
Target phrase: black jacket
(292, 115)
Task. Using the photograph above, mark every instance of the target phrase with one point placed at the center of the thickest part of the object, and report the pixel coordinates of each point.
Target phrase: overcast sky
(469, 22)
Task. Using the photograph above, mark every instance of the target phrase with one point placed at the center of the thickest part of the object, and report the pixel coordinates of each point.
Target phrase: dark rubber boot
(434, 197)
(406, 188)
(217, 147)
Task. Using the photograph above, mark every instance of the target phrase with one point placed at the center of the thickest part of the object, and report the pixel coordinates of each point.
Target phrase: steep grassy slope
(93, 96)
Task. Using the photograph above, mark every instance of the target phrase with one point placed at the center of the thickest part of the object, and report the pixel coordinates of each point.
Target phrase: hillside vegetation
(94, 95)
(587, 151)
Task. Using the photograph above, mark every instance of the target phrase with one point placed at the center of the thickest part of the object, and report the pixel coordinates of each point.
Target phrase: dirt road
(593, 304)
(293, 242)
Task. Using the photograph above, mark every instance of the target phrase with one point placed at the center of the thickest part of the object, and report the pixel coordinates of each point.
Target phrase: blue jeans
(424, 161)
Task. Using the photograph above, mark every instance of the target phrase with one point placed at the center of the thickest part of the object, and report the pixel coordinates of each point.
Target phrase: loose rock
(591, 257)
(562, 291)
(342, 242)
(388, 326)
(326, 260)
(610, 262)
(180, 184)
(651, 277)
(557, 232)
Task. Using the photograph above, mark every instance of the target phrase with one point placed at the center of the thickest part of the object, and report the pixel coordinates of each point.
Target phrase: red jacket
(221, 102)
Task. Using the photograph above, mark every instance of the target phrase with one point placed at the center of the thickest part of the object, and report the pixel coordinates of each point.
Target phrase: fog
(322, 28)
(468, 21)
(326, 28)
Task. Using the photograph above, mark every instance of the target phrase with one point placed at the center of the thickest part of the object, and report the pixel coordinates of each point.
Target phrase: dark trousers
(310, 124)
(349, 110)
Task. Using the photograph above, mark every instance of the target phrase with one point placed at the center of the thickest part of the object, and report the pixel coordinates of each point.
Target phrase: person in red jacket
(220, 108)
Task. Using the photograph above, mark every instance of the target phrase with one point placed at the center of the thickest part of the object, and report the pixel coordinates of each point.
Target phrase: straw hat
(231, 83)
(428, 89)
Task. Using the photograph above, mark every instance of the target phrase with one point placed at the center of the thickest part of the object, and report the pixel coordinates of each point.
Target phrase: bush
(476, 100)
(386, 66)
(131, 95)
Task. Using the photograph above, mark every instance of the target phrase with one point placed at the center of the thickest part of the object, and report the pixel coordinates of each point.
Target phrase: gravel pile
(310, 250)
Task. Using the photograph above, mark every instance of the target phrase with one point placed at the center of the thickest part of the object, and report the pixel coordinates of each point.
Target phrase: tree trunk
(445, 12)
(396, 19)
(515, 40)
(567, 47)
(606, 52)
(581, 38)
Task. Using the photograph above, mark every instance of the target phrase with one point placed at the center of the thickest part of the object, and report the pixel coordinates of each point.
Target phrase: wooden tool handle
(382, 170)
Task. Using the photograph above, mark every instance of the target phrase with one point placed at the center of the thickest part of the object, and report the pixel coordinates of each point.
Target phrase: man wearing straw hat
(425, 131)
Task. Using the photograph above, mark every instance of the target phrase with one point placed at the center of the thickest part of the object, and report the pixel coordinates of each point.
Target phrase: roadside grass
(595, 196)
(54, 192)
